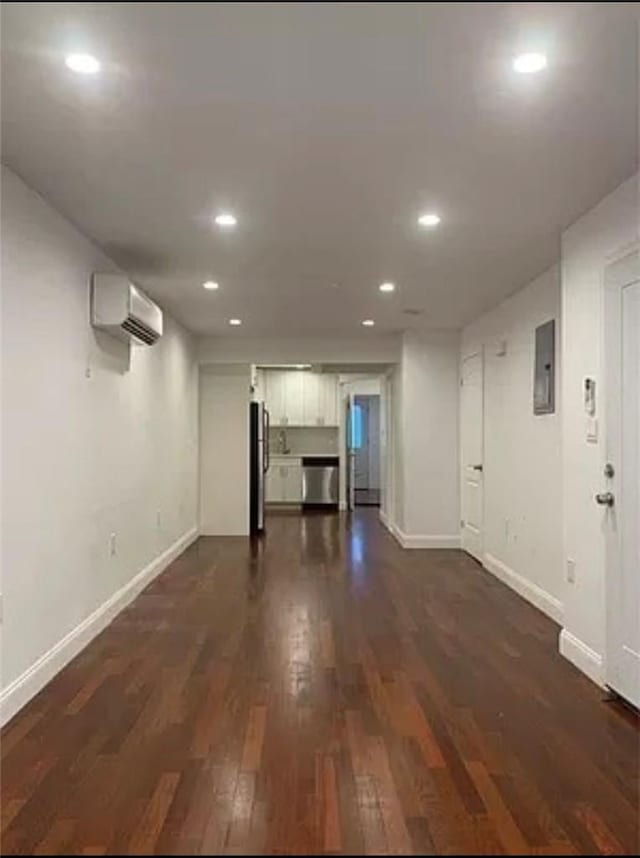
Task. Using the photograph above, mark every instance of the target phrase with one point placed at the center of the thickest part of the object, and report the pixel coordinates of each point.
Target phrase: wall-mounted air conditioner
(122, 310)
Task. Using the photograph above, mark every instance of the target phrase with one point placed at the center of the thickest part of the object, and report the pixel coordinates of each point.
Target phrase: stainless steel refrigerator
(258, 464)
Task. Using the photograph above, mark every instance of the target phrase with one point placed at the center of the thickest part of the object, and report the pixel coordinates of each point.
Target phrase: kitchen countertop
(305, 455)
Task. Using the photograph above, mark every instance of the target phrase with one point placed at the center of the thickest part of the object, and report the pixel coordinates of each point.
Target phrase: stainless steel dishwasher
(320, 481)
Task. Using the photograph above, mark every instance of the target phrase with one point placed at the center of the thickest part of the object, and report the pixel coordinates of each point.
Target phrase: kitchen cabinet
(294, 397)
(293, 482)
(274, 394)
(329, 399)
(311, 400)
(301, 398)
(258, 393)
(284, 480)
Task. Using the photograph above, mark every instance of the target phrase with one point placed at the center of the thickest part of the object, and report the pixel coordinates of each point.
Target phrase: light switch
(592, 430)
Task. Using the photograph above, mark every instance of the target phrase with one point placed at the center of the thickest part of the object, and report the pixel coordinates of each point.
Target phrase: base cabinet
(284, 481)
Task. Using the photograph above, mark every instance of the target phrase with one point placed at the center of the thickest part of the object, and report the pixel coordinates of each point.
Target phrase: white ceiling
(326, 128)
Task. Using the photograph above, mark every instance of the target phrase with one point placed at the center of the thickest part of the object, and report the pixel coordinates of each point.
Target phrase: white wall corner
(582, 656)
(542, 600)
(407, 540)
(391, 526)
(28, 684)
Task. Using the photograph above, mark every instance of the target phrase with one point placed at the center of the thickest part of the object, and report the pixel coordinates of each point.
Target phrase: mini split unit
(122, 310)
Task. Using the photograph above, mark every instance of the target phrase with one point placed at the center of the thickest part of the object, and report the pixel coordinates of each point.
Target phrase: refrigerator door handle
(266, 462)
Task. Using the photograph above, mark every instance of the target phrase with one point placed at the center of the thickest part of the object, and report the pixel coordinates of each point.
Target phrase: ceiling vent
(122, 310)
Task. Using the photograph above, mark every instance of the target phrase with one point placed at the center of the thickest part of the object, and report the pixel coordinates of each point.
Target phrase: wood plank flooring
(322, 692)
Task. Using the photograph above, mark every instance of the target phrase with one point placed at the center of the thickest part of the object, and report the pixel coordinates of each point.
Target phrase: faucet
(282, 442)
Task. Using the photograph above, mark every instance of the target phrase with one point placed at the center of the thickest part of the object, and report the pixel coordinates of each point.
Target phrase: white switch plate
(571, 570)
(592, 430)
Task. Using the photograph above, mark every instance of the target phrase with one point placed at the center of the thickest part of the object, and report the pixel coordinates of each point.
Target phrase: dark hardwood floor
(367, 497)
(323, 692)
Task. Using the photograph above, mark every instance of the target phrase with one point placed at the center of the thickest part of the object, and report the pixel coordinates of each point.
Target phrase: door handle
(477, 467)
(266, 427)
(605, 499)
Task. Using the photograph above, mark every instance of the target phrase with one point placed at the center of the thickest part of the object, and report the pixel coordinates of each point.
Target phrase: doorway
(363, 450)
(365, 418)
(620, 499)
(472, 449)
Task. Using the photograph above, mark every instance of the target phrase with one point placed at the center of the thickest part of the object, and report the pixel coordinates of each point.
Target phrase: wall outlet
(571, 570)
(112, 545)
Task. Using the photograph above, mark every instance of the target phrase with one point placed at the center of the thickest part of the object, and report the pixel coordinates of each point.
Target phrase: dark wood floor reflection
(324, 692)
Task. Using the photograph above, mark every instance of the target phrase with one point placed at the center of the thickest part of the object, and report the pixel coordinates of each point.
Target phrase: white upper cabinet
(294, 397)
(275, 399)
(312, 399)
(301, 398)
(259, 393)
(329, 399)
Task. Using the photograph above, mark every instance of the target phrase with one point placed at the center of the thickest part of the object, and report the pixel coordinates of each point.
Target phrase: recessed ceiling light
(235, 322)
(387, 287)
(225, 219)
(210, 284)
(430, 219)
(368, 323)
(82, 63)
(529, 63)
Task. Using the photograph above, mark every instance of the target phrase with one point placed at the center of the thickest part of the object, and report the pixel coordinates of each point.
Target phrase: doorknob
(605, 499)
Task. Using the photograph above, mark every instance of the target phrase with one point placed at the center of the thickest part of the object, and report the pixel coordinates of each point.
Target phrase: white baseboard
(544, 601)
(407, 540)
(26, 686)
(410, 540)
(582, 656)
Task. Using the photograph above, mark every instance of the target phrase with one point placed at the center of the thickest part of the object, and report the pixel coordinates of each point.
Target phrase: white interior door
(374, 445)
(620, 499)
(471, 431)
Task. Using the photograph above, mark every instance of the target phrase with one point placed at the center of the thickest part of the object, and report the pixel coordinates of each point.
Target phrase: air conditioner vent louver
(139, 331)
(121, 309)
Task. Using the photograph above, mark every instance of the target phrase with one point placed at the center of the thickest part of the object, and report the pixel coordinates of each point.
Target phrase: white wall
(522, 451)
(425, 509)
(362, 348)
(224, 450)
(392, 497)
(92, 443)
(586, 247)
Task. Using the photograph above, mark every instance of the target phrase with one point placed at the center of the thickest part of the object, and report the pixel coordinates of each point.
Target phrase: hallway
(324, 692)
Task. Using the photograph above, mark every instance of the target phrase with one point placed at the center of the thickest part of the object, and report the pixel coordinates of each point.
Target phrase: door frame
(617, 274)
(477, 352)
(364, 448)
(350, 468)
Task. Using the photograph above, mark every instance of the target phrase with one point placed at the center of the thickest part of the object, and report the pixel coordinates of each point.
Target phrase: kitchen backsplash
(321, 439)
